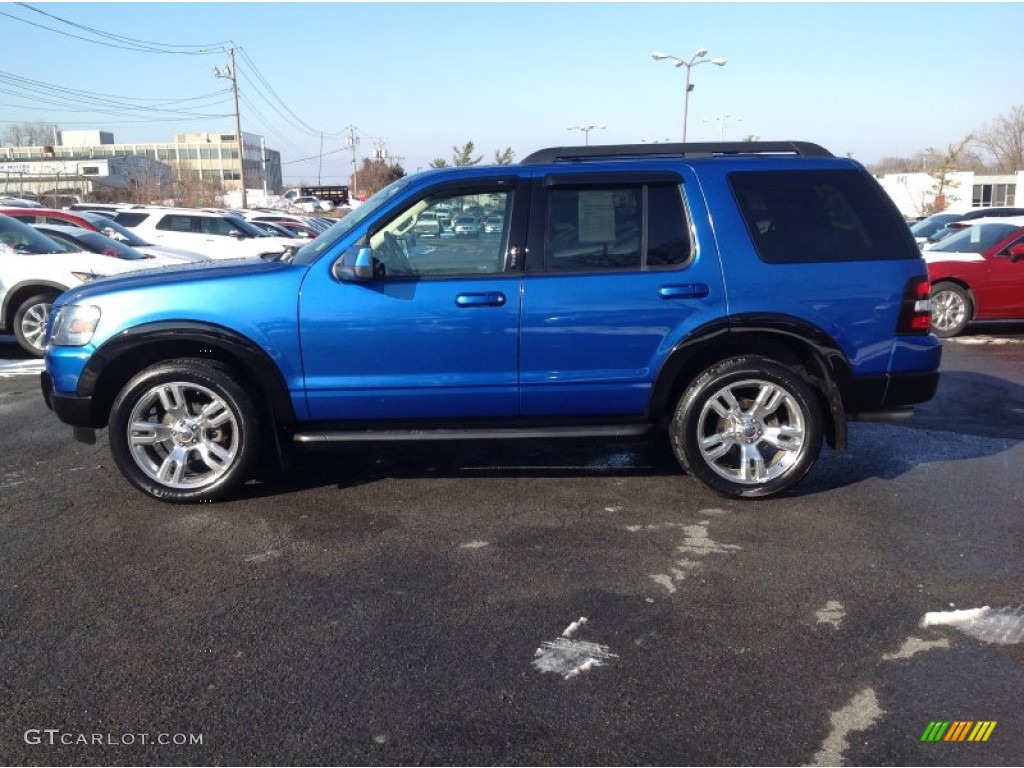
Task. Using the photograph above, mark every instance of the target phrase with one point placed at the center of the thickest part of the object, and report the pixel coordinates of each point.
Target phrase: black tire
(725, 440)
(952, 310)
(182, 458)
(30, 321)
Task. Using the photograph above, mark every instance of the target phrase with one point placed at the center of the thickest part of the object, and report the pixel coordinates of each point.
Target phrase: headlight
(85, 277)
(74, 325)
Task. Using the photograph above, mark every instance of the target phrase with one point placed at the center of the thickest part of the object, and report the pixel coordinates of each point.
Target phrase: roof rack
(705, 149)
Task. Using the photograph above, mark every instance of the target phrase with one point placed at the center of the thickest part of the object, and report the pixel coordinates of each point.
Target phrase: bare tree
(941, 165)
(1003, 140)
(190, 191)
(376, 174)
(27, 135)
(463, 157)
(895, 165)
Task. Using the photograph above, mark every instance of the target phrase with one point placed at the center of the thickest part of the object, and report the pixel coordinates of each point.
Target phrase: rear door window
(596, 227)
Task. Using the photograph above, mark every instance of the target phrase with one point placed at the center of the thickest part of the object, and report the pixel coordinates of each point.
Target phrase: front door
(434, 334)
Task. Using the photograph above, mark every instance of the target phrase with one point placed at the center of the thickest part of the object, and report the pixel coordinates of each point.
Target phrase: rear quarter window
(820, 216)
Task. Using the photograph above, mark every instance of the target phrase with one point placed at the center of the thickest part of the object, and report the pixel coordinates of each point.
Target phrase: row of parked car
(976, 266)
(45, 251)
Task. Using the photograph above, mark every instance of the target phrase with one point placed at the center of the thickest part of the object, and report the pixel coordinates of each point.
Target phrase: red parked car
(977, 274)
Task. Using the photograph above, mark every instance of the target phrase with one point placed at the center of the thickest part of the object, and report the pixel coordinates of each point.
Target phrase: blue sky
(871, 79)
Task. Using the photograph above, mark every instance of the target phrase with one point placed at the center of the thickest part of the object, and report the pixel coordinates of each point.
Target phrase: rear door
(615, 278)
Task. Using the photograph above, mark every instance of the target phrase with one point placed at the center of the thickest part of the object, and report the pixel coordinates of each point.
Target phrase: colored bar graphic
(982, 730)
(958, 730)
(935, 730)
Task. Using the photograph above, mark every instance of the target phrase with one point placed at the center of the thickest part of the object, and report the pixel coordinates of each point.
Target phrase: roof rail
(705, 149)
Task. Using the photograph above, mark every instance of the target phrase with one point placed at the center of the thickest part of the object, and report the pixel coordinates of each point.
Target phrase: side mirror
(356, 265)
(1016, 252)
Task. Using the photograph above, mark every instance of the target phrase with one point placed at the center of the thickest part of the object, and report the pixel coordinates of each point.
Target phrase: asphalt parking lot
(523, 604)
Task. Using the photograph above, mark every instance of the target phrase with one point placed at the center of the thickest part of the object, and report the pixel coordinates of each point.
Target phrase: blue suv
(746, 299)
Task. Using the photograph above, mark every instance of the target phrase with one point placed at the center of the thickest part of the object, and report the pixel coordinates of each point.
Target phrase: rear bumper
(885, 393)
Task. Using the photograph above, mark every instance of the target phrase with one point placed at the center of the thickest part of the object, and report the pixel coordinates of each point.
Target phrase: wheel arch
(116, 361)
(788, 340)
(20, 292)
(960, 283)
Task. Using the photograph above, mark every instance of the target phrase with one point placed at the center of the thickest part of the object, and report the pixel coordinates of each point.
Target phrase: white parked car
(218, 235)
(35, 270)
(309, 204)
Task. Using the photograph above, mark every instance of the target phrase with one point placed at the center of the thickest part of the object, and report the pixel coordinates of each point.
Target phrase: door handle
(489, 299)
(684, 291)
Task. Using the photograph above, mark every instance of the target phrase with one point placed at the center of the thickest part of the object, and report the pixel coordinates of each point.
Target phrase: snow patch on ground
(833, 613)
(10, 368)
(1002, 626)
(569, 658)
(860, 714)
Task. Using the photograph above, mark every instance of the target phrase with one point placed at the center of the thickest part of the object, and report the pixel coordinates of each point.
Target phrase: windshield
(933, 224)
(18, 237)
(108, 246)
(115, 231)
(246, 227)
(308, 253)
(975, 239)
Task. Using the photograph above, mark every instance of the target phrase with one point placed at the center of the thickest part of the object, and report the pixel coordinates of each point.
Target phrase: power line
(143, 46)
(270, 89)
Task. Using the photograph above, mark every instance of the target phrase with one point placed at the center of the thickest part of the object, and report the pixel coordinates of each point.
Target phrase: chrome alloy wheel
(949, 310)
(33, 324)
(183, 435)
(751, 431)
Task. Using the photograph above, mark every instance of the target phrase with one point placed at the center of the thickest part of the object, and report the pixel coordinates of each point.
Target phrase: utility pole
(229, 73)
(263, 161)
(319, 167)
(351, 141)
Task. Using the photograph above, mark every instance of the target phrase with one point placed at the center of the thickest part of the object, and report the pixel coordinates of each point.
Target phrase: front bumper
(71, 409)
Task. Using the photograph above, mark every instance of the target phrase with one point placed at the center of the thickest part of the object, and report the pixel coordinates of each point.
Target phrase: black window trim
(536, 252)
(512, 185)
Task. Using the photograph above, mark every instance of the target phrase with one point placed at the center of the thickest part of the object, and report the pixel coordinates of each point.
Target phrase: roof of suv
(688, 150)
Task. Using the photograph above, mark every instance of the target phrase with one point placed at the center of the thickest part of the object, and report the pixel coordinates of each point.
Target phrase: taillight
(916, 308)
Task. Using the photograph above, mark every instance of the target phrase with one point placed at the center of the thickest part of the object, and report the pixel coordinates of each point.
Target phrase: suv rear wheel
(184, 431)
(748, 427)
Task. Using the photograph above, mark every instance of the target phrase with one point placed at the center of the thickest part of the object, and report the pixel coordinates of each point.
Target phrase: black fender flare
(749, 333)
(150, 342)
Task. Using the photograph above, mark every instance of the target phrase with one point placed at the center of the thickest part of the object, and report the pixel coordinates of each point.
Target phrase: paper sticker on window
(597, 217)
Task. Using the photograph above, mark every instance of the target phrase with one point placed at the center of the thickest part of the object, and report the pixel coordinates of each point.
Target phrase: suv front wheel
(748, 427)
(184, 431)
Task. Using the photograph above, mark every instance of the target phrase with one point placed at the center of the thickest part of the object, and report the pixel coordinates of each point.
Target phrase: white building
(207, 156)
(914, 193)
(81, 179)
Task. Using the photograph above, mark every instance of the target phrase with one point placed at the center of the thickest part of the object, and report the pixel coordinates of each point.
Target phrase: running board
(397, 435)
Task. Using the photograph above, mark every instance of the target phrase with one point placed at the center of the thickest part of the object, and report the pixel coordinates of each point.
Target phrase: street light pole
(586, 131)
(700, 57)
